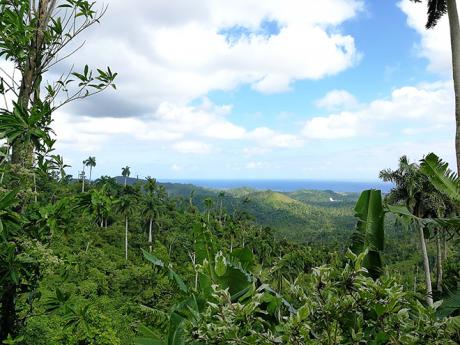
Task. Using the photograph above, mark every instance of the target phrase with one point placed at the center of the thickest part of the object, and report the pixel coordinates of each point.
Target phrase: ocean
(288, 185)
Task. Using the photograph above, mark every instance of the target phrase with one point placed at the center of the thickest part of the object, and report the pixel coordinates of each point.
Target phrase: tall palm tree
(125, 172)
(421, 198)
(91, 163)
(221, 206)
(436, 10)
(124, 206)
(150, 210)
(83, 178)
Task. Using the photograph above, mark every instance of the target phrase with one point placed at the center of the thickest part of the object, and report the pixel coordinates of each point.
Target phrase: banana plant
(369, 233)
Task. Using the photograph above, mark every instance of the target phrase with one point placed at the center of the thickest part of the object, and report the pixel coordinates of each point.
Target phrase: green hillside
(304, 216)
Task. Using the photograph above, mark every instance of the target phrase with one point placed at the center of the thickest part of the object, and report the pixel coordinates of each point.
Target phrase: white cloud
(268, 138)
(435, 43)
(174, 52)
(193, 147)
(337, 126)
(337, 100)
(424, 105)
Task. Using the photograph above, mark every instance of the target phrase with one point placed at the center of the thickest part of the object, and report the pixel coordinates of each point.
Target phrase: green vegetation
(304, 216)
(102, 262)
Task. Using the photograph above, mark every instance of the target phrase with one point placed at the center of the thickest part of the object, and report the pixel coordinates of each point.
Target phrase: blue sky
(291, 89)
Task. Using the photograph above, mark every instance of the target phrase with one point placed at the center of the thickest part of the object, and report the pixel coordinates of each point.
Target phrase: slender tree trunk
(83, 179)
(126, 238)
(150, 232)
(426, 266)
(444, 247)
(455, 47)
(90, 171)
(438, 262)
(125, 180)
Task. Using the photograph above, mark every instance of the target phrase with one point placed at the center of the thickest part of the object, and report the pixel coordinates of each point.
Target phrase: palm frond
(442, 178)
(436, 9)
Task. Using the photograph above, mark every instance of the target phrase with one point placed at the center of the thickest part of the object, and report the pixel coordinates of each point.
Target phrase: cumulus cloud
(427, 105)
(337, 100)
(184, 129)
(176, 52)
(435, 43)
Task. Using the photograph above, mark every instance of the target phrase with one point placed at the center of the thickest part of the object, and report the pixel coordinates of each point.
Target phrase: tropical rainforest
(121, 261)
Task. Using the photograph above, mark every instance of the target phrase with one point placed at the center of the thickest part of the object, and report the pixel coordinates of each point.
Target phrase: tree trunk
(83, 183)
(444, 247)
(150, 233)
(31, 78)
(426, 266)
(438, 263)
(125, 180)
(126, 238)
(90, 171)
(8, 312)
(455, 47)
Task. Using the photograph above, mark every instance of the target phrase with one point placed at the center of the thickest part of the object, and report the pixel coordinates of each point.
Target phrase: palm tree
(91, 163)
(436, 10)
(58, 162)
(124, 206)
(421, 198)
(150, 184)
(209, 204)
(149, 211)
(150, 205)
(83, 178)
(96, 203)
(125, 172)
(221, 198)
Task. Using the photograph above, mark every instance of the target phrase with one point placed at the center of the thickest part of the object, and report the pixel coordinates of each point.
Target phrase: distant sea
(288, 185)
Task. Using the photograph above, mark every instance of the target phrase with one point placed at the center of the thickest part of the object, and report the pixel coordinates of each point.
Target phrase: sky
(261, 89)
